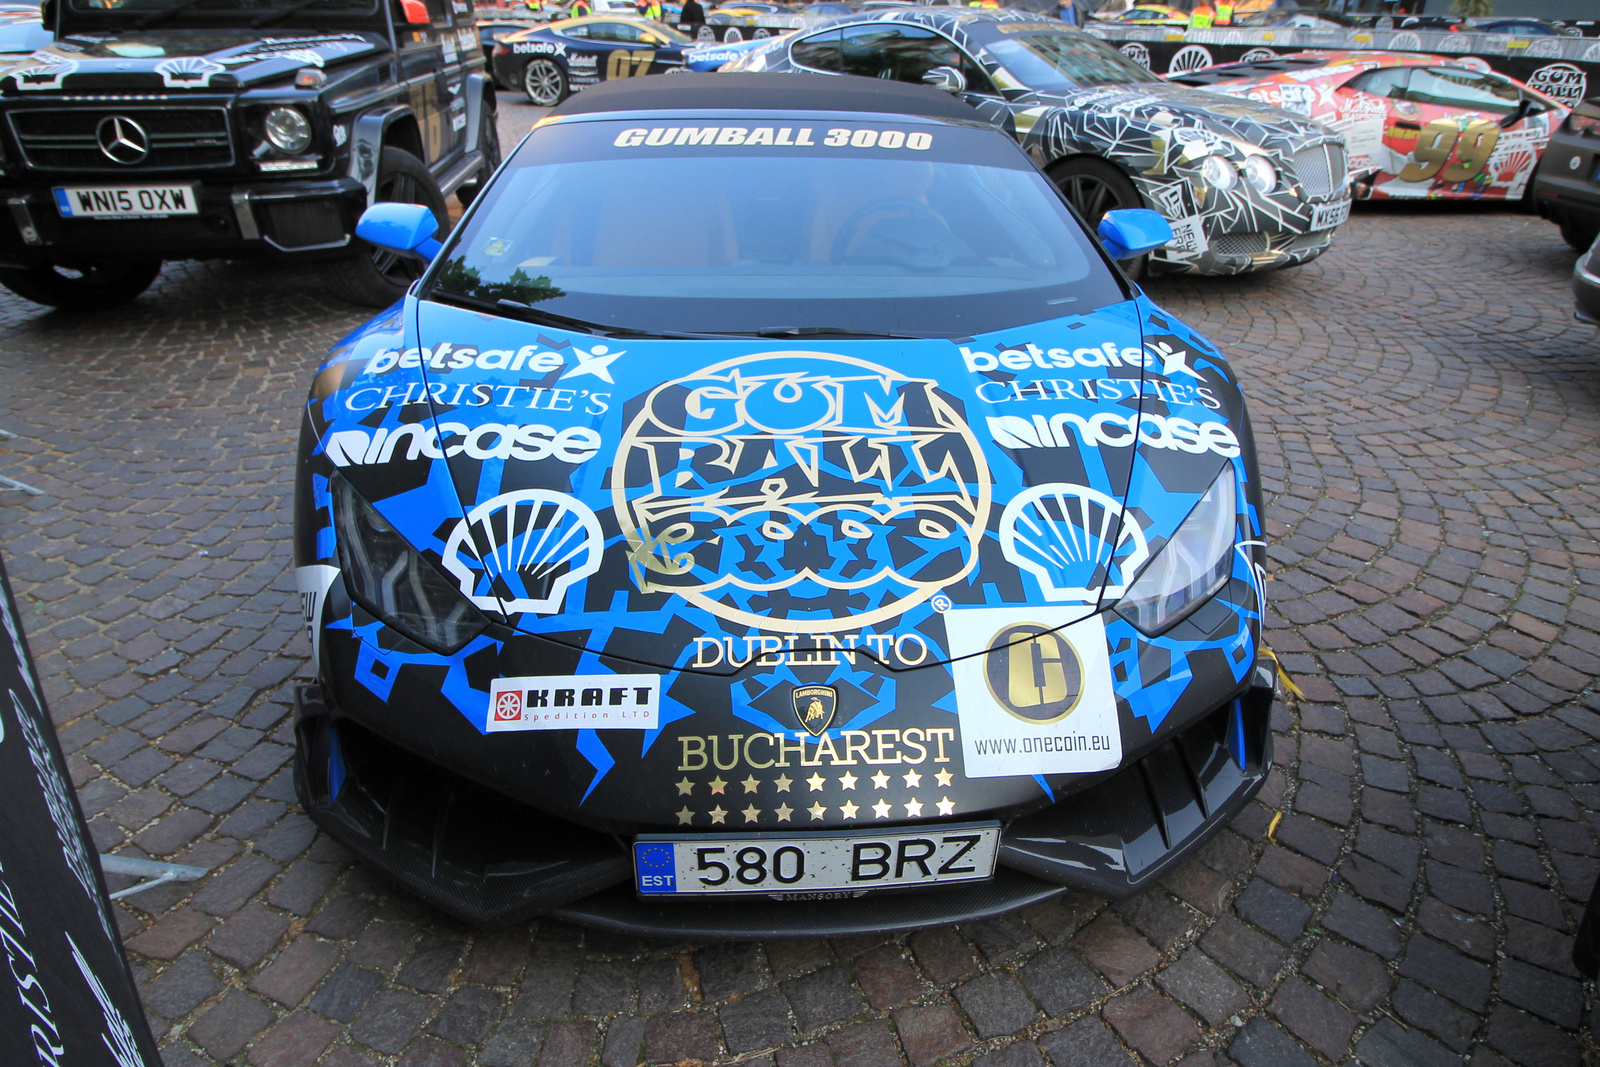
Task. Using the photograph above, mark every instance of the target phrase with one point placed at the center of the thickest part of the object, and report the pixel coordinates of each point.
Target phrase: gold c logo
(1033, 673)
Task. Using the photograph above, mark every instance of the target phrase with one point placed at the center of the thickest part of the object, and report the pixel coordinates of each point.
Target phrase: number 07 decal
(621, 64)
(1472, 145)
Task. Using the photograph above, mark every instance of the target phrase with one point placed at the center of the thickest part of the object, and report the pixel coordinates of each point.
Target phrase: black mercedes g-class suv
(204, 129)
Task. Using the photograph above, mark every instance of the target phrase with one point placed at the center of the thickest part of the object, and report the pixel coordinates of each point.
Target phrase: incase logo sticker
(1039, 699)
(575, 702)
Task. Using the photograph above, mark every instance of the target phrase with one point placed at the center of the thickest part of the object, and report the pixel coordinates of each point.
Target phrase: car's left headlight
(1259, 172)
(389, 578)
(1191, 567)
(288, 130)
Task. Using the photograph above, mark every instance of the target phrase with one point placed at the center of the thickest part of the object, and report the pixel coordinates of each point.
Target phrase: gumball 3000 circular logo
(801, 488)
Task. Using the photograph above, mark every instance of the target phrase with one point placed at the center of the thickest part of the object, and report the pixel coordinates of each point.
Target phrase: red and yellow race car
(1415, 125)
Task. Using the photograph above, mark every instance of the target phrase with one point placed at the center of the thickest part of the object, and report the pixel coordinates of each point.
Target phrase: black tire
(1578, 236)
(87, 286)
(376, 277)
(1094, 187)
(489, 145)
(544, 82)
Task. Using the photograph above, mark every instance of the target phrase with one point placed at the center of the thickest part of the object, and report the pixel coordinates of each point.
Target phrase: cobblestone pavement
(1428, 418)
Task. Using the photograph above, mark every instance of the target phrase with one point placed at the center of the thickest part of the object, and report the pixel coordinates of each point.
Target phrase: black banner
(74, 1001)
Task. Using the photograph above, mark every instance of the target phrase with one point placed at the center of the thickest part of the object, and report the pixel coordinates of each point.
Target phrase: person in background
(1202, 16)
(580, 9)
(1224, 12)
(692, 17)
(1067, 11)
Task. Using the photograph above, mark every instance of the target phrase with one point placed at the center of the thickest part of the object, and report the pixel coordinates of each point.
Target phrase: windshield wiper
(832, 331)
(274, 17)
(164, 14)
(529, 313)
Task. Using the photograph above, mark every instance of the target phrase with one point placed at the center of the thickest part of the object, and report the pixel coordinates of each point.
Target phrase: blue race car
(552, 62)
(691, 577)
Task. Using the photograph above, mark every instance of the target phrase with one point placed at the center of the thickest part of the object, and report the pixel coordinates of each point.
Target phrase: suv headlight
(1190, 568)
(288, 130)
(389, 578)
(1259, 172)
(1219, 173)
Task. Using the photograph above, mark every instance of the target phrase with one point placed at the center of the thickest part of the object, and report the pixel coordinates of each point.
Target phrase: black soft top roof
(767, 92)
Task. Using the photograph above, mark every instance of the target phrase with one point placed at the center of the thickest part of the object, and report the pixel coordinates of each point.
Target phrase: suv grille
(1321, 168)
(178, 137)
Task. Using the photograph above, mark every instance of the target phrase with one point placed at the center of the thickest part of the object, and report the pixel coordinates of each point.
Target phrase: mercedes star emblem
(122, 140)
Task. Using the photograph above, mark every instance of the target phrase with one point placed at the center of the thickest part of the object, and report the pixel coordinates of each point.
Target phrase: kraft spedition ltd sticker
(575, 702)
(1039, 701)
(776, 136)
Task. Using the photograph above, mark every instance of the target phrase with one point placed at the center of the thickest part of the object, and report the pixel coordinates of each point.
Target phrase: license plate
(842, 861)
(1327, 216)
(125, 201)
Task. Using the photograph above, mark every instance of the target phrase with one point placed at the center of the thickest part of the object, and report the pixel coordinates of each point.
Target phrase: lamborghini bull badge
(814, 706)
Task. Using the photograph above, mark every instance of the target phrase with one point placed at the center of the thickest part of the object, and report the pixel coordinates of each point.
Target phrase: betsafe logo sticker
(529, 358)
(1160, 357)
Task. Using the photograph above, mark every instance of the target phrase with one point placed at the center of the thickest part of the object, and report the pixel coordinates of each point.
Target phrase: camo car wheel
(376, 277)
(545, 82)
(95, 283)
(1094, 187)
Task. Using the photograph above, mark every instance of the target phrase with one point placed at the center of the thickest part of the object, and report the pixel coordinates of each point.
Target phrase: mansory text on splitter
(883, 561)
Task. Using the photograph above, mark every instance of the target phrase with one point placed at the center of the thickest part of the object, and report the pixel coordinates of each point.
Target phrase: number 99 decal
(1440, 139)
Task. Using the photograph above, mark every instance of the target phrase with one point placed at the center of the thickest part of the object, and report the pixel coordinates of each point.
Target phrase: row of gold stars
(880, 780)
(881, 809)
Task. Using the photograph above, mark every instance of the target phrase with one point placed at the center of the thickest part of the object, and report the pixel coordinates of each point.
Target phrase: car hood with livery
(698, 556)
(164, 60)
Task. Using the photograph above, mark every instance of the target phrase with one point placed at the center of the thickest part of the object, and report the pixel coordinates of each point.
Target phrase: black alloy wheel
(545, 82)
(1094, 187)
(85, 285)
(377, 277)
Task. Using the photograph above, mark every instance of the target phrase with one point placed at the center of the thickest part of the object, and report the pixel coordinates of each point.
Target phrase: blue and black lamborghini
(887, 560)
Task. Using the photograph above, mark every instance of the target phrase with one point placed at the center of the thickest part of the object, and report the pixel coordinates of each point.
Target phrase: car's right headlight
(1190, 568)
(1219, 173)
(389, 578)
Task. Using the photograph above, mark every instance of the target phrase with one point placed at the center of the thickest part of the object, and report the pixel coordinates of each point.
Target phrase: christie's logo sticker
(575, 702)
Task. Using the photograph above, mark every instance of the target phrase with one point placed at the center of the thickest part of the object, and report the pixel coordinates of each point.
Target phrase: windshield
(838, 227)
(1054, 61)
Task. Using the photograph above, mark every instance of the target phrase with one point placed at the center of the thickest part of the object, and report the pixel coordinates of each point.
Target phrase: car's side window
(613, 31)
(1385, 81)
(819, 51)
(905, 53)
(1454, 87)
(575, 31)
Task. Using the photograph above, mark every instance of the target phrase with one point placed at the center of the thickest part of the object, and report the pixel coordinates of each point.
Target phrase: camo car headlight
(1219, 173)
(1190, 568)
(1259, 172)
(389, 578)
(288, 130)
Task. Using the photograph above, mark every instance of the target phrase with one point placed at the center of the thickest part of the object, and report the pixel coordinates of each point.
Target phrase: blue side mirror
(403, 228)
(1132, 232)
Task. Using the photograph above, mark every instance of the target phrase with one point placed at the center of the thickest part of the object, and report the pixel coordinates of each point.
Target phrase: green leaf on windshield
(457, 276)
